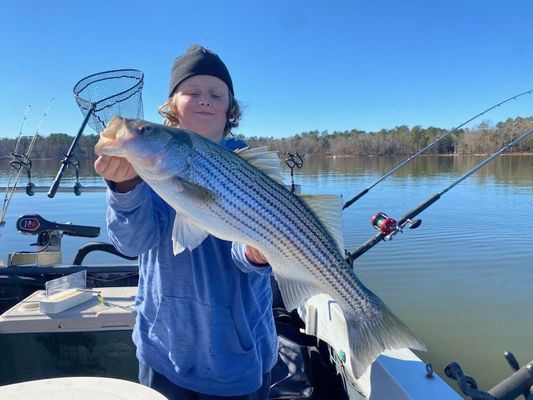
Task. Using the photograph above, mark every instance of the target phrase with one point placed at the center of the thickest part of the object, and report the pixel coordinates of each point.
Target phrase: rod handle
(68, 156)
(517, 384)
(57, 181)
(354, 199)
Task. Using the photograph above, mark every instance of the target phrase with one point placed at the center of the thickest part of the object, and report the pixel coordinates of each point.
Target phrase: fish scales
(223, 194)
(229, 194)
(232, 194)
(286, 221)
(229, 199)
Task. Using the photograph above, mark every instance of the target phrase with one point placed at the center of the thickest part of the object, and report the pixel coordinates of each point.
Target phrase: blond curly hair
(169, 111)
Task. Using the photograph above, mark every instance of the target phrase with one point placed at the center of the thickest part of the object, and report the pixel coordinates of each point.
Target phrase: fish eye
(144, 129)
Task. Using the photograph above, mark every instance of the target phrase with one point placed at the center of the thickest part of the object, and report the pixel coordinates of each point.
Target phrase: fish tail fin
(367, 340)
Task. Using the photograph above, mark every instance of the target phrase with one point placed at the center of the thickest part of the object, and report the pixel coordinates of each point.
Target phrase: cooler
(90, 339)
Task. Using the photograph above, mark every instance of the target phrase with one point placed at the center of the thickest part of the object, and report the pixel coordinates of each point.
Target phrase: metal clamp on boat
(520, 383)
(48, 239)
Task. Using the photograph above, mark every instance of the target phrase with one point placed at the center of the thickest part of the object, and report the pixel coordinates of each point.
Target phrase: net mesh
(110, 93)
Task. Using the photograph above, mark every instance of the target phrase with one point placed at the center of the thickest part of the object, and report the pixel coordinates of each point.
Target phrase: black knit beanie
(198, 61)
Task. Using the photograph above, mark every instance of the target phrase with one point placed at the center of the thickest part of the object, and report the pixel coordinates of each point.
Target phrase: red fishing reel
(389, 226)
(383, 223)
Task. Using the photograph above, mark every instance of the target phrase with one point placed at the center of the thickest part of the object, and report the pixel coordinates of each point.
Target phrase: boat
(93, 338)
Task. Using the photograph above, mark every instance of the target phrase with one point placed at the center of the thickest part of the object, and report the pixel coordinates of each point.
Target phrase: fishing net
(110, 93)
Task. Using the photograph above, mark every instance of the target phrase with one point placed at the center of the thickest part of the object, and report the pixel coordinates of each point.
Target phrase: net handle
(66, 161)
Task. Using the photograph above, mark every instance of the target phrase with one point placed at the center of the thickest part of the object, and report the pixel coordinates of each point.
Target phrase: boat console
(48, 243)
(28, 271)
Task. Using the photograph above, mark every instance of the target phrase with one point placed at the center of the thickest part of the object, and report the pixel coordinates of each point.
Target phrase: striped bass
(240, 198)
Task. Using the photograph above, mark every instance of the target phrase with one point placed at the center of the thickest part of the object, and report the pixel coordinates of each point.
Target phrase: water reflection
(43, 172)
(509, 169)
(514, 170)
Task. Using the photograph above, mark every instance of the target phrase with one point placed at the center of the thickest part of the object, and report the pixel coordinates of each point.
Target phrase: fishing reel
(294, 161)
(76, 165)
(520, 383)
(389, 226)
(22, 161)
(72, 161)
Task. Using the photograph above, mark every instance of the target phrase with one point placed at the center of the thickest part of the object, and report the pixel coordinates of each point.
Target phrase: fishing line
(439, 138)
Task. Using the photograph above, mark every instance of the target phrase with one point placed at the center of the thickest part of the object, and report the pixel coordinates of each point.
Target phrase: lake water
(462, 281)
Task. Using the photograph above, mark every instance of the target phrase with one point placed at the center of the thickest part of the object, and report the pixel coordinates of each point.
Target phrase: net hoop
(108, 93)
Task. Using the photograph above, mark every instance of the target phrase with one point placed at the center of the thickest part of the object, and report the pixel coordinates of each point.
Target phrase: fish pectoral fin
(263, 159)
(186, 234)
(192, 190)
(294, 291)
(328, 209)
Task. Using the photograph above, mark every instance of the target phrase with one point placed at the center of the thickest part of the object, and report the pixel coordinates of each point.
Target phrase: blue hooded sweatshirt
(204, 317)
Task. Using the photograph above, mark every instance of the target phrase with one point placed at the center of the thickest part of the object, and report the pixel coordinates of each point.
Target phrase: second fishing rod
(429, 145)
(389, 227)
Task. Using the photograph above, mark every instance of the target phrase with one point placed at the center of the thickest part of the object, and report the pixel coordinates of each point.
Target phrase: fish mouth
(108, 143)
(110, 132)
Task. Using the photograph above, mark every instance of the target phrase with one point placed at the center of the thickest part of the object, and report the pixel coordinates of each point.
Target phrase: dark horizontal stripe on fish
(250, 222)
(224, 177)
(332, 271)
(332, 279)
(311, 247)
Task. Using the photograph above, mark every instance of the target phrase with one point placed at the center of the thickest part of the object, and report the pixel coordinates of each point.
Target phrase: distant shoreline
(425, 155)
(9, 158)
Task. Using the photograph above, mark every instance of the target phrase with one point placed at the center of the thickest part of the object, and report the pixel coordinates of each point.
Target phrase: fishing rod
(12, 170)
(19, 137)
(388, 227)
(22, 161)
(423, 149)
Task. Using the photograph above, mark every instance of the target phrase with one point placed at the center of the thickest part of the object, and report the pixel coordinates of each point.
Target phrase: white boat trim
(398, 374)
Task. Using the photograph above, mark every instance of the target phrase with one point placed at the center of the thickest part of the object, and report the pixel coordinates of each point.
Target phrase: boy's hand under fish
(118, 170)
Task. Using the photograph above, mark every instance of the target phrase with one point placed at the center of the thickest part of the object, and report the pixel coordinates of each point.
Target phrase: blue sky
(296, 65)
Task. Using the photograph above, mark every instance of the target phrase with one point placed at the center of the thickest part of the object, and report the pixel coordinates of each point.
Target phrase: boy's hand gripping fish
(240, 197)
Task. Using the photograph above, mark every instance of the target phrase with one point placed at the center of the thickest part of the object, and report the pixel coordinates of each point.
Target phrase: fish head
(155, 151)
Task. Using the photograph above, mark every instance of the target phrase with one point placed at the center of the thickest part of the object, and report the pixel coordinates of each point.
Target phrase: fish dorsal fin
(328, 209)
(186, 234)
(264, 159)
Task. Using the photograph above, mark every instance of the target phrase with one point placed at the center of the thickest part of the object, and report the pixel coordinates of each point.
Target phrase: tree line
(485, 138)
